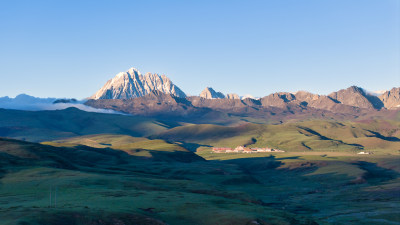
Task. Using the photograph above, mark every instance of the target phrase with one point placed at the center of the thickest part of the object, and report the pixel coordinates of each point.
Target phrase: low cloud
(374, 93)
(59, 106)
(26, 102)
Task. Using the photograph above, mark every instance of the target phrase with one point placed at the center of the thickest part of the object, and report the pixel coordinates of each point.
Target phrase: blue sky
(71, 48)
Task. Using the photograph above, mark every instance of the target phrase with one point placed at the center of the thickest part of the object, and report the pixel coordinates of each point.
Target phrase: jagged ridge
(133, 84)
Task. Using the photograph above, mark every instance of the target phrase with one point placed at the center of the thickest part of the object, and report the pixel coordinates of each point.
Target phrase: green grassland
(114, 169)
(377, 136)
(135, 146)
(120, 187)
(107, 186)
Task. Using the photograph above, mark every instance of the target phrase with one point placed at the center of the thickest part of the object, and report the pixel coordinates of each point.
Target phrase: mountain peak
(232, 96)
(133, 70)
(132, 84)
(357, 89)
(354, 96)
(210, 93)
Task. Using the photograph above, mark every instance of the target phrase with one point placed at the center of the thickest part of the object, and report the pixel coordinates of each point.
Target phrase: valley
(99, 186)
(200, 112)
(130, 169)
(145, 153)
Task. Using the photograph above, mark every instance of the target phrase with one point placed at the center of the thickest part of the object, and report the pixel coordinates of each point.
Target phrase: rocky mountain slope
(355, 96)
(210, 93)
(156, 103)
(345, 99)
(195, 109)
(391, 99)
(132, 84)
(232, 96)
(155, 95)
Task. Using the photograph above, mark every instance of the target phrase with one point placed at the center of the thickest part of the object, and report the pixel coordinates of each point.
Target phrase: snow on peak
(248, 96)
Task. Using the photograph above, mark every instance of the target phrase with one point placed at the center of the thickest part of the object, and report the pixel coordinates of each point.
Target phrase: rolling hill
(50, 125)
(79, 185)
(373, 135)
(42, 184)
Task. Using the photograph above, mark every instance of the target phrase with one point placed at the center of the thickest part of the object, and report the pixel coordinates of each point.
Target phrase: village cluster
(242, 149)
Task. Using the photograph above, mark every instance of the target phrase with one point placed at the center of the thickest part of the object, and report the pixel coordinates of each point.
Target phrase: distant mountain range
(25, 99)
(156, 95)
(158, 90)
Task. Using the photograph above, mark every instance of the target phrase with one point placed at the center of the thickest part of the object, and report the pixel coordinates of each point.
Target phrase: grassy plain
(114, 169)
(119, 188)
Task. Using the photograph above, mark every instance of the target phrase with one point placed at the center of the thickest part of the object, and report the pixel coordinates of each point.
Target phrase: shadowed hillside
(120, 169)
(104, 186)
(158, 150)
(50, 125)
(379, 132)
(51, 186)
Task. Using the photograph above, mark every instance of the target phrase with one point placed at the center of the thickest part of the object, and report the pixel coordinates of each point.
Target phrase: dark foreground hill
(49, 125)
(77, 186)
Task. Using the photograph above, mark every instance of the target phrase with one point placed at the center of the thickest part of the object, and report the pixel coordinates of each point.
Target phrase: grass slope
(378, 136)
(50, 125)
(104, 186)
(114, 169)
(136, 146)
(117, 188)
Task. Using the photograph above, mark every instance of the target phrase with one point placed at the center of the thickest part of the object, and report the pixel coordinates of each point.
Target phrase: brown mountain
(232, 96)
(391, 99)
(306, 99)
(349, 103)
(356, 96)
(157, 94)
(210, 93)
(154, 104)
(280, 99)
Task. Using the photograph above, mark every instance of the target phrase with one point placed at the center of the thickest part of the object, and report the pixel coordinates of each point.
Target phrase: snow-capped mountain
(248, 96)
(132, 84)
